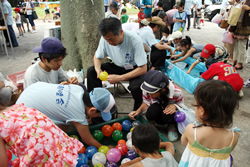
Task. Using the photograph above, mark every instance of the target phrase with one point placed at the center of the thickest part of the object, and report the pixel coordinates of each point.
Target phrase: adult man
(126, 50)
(169, 19)
(49, 68)
(168, 4)
(158, 49)
(106, 5)
(7, 10)
(197, 14)
(69, 104)
(148, 8)
(113, 9)
(187, 9)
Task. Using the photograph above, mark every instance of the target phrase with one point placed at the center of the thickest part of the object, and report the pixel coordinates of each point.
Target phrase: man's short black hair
(86, 100)
(50, 56)
(113, 5)
(110, 25)
(145, 137)
(160, 4)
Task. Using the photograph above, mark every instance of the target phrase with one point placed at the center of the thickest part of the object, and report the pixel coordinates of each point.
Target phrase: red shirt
(225, 72)
(141, 15)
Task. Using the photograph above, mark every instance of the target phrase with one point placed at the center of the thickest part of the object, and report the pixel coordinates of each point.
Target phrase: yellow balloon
(132, 129)
(103, 76)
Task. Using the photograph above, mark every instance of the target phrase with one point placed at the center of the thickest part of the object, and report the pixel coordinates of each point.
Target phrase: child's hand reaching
(170, 109)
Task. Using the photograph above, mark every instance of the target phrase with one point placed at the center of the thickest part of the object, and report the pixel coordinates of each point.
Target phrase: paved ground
(210, 33)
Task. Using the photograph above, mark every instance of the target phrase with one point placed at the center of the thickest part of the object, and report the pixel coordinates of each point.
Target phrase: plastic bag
(190, 118)
(227, 37)
(217, 18)
(77, 74)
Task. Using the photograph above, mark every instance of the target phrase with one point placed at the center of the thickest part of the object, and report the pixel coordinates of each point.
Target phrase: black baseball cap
(154, 81)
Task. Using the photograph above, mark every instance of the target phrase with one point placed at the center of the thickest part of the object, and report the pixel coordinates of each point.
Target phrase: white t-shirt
(147, 36)
(187, 6)
(131, 27)
(36, 73)
(130, 51)
(18, 21)
(28, 5)
(166, 161)
(61, 103)
(109, 14)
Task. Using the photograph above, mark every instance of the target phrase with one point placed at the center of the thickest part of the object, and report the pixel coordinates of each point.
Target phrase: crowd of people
(136, 57)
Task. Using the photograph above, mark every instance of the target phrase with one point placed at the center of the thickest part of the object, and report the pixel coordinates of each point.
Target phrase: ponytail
(186, 41)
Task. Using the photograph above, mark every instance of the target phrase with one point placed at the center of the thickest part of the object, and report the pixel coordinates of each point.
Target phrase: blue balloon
(111, 164)
(131, 154)
(90, 151)
(82, 160)
(126, 125)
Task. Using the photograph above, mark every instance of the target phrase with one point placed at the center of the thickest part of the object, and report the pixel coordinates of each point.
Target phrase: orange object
(117, 126)
(82, 150)
(122, 148)
(107, 130)
(121, 142)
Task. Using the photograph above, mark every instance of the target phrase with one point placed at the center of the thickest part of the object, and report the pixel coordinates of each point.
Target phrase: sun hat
(50, 45)
(103, 101)
(175, 35)
(144, 22)
(208, 50)
(157, 20)
(154, 81)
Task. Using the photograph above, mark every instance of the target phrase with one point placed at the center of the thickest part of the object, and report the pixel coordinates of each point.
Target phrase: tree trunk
(79, 28)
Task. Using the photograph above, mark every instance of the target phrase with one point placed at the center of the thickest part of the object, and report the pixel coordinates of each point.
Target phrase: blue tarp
(187, 81)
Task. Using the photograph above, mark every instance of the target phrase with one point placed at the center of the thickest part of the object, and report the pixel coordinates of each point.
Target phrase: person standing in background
(46, 9)
(29, 8)
(106, 5)
(168, 4)
(148, 8)
(7, 10)
(187, 9)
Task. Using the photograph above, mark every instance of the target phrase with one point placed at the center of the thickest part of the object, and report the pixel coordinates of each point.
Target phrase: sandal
(238, 66)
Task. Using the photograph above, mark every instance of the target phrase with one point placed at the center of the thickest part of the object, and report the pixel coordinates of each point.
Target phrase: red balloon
(117, 126)
(122, 148)
(15, 162)
(121, 142)
(107, 130)
(82, 150)
(9, 154)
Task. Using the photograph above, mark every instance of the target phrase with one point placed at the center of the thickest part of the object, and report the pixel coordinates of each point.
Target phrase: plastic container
(17, 79)
(181, 65)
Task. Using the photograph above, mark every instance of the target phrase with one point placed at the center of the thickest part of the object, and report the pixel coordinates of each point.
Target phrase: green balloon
(97, 134)
(103, 149)
(117, 135)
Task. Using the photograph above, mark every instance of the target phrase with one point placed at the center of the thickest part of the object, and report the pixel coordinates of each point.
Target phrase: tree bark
(79, 29)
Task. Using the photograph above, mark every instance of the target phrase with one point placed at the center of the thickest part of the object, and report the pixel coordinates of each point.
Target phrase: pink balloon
(114, 155)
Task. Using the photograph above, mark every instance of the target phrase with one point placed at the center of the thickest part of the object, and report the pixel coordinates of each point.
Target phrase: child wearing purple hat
(160, 96)
(51, 53)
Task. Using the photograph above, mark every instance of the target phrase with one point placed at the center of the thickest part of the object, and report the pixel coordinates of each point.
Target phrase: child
(159, 98)
(141, 14)
(124, 17)
(202, 17)
(218, 53)
(210, 143)
(46, 10)
(165, 34)
(179, 17)
(35, 139)
(18, 21)
(188, 49)
(146, 142)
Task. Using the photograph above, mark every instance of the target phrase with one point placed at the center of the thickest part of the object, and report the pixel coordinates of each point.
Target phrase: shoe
(28, 30)
(172, 134)
(247, 83)
(199, 28)
(240, 94)
(33, 31)
(13, 45)
(187, 29)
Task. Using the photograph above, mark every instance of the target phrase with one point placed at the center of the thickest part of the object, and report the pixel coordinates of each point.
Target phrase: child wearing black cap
(159, 99)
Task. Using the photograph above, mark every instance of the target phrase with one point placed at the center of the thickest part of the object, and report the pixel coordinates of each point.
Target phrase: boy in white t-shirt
(146, 142)
(18, 21)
